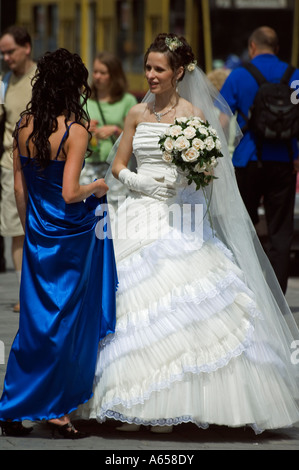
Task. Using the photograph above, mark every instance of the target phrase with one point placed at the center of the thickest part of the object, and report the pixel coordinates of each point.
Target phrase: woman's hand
(93, 125)
(104, 132)
(101, 189)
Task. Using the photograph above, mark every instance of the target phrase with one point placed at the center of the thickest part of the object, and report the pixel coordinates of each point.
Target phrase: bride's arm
(145, 185)
(125, 148)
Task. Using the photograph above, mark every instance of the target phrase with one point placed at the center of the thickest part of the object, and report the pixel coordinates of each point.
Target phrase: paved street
(184, 442)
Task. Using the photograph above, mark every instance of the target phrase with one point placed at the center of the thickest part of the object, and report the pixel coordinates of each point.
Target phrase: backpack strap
(287, 75)
(254, 71)
(259, 77)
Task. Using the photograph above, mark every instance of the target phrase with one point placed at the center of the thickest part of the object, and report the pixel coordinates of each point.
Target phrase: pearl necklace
(160, 115)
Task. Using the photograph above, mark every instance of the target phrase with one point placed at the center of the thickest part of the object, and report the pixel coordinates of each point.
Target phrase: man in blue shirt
(275, 180)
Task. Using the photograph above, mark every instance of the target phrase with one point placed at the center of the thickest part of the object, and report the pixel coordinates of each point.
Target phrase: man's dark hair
(19, 33)
(265, 37)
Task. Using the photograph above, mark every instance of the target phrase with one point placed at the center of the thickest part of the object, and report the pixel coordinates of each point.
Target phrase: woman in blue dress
(68, 285)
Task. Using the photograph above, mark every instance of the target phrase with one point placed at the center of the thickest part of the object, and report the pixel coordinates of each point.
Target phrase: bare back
(55, 139)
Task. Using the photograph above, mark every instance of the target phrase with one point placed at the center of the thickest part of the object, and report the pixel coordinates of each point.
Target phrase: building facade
(217, 29)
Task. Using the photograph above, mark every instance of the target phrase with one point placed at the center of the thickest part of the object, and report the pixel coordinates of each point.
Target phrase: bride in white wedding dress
(203, 331)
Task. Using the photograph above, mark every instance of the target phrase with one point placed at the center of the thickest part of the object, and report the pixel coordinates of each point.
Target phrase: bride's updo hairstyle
(176, 48)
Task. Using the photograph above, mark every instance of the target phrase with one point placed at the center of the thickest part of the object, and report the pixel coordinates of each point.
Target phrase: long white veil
(234, 228)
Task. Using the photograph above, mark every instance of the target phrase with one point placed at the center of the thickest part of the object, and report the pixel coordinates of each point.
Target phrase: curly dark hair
(60, 87)
(180, 57)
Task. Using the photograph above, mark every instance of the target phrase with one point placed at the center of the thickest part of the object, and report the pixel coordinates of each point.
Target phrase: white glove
(146, 185)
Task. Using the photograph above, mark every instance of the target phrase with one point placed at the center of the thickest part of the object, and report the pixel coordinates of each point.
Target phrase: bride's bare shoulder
(187, 109)
(139, 112)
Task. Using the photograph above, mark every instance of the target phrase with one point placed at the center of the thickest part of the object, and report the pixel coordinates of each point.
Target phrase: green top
(114, 114)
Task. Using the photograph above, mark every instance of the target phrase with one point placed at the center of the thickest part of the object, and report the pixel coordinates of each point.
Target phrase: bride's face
(158, 73)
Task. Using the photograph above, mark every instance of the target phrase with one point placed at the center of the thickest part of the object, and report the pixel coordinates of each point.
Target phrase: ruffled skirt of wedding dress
(191, 345)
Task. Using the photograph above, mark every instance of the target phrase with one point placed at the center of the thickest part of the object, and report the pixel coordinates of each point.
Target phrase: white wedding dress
(191, 343)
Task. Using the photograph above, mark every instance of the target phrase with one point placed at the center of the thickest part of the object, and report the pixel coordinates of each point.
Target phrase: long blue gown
(67, 300)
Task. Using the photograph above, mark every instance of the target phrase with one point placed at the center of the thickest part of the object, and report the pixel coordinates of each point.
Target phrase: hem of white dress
(173, 421)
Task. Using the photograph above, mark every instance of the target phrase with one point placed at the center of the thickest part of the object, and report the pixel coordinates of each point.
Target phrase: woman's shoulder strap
(63, 139)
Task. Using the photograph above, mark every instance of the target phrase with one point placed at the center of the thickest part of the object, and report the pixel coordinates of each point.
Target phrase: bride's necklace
(160, 115)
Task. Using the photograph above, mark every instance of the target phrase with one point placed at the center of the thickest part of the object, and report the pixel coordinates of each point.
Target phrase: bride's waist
(166, 173)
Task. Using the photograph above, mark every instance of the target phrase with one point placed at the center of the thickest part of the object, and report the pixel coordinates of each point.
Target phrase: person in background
(274, 181)
(67, 295)
(107, 107)
(217, 77)
(15, 48)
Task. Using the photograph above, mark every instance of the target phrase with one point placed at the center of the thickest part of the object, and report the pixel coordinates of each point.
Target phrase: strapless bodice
(148, 153)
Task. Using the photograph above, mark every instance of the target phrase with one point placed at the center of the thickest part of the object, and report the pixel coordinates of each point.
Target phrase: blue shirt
(239, 91)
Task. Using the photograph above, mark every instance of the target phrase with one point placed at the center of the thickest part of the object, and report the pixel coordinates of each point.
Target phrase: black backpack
(272, 115)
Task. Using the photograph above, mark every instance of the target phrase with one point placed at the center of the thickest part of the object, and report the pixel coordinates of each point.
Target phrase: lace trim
(109, 414)
(194, 369)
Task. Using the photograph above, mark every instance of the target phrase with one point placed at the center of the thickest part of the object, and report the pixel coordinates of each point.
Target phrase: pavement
(140, 449)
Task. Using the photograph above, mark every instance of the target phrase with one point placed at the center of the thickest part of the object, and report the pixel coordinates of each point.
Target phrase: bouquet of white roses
(193, 146)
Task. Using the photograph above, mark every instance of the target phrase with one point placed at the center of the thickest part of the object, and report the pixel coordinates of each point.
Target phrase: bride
(203, 332)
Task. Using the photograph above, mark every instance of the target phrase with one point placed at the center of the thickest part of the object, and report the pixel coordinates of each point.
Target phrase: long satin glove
(146, 185)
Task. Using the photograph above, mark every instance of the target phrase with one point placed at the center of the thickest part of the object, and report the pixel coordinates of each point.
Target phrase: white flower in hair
(190, 67)
(173, 43)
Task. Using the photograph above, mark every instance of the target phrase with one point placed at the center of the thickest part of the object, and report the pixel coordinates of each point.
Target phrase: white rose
(212, 131)
(200, 169)
(209, 143)
(203, 130)
(168, 144)
(182, 143)
(189, 132)
(213, 162)
(181, 120)
(195, 122)
(190, 67)
(167, 157)
(198, 144)
(218, 144)
(175, 131)
(190, 155)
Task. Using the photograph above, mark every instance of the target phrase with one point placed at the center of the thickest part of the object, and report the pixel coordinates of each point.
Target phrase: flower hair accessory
(191, 66)
(173, 43)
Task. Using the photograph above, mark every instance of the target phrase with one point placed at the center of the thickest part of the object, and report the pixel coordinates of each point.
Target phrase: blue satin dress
(67, 301)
